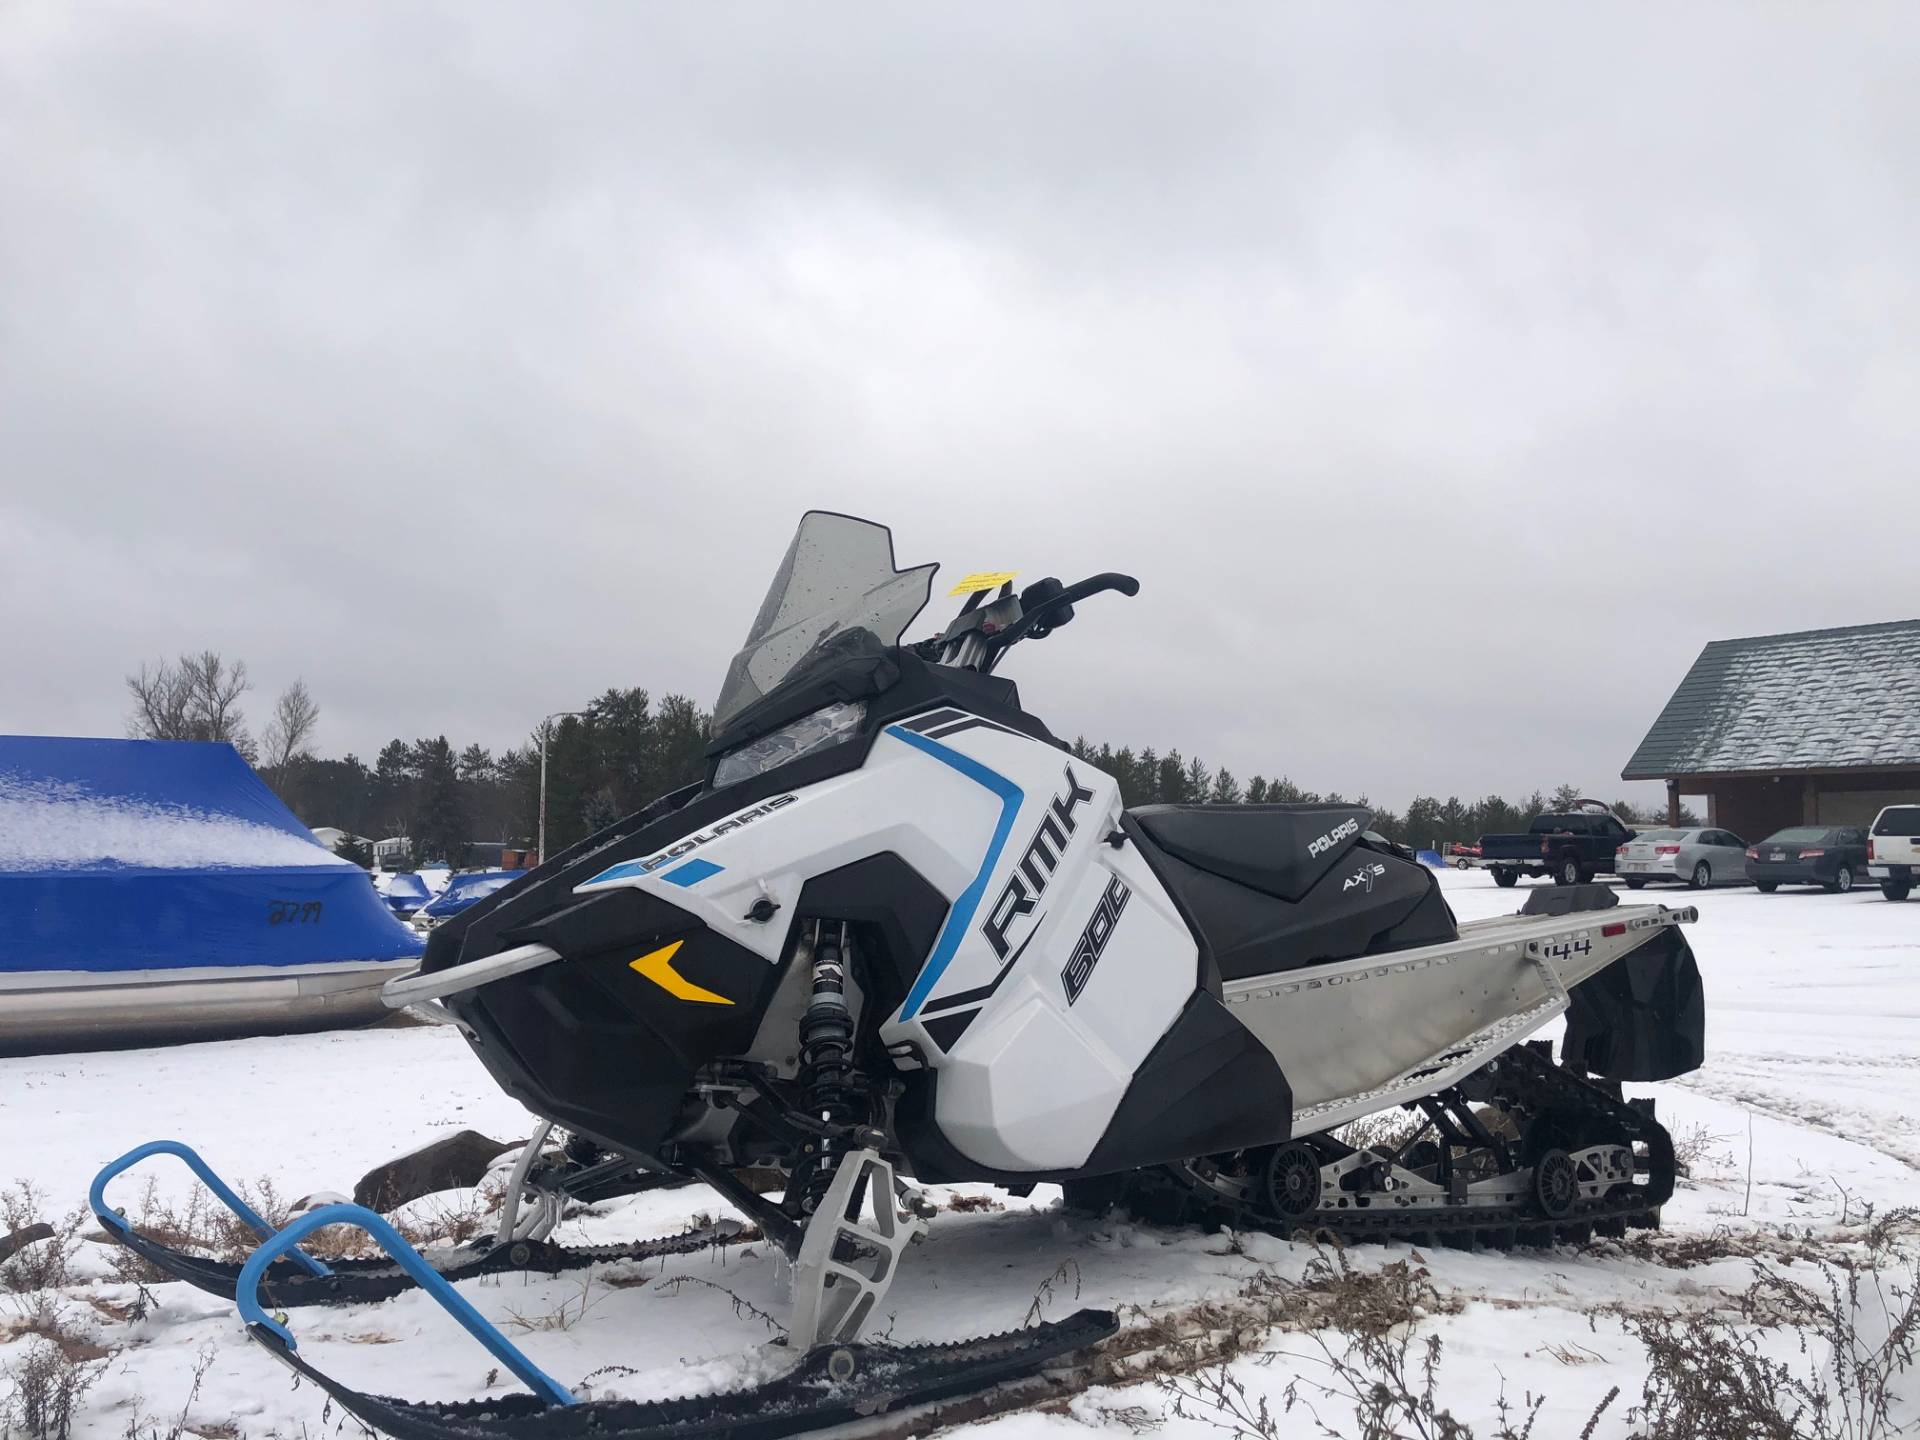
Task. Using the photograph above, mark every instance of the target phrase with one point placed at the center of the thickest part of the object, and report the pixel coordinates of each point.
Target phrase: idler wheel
(1291, 1180)
(1556, 1184)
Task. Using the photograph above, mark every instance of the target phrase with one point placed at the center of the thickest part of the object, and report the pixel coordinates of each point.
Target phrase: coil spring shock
(827, 1080)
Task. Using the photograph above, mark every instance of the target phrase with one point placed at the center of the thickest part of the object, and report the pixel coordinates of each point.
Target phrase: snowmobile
(899, 934)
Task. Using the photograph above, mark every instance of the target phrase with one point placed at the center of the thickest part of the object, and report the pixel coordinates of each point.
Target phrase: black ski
(833, 1385)
(288, 1286)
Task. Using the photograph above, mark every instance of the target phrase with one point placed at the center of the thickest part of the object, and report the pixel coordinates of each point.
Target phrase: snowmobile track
(1173, 1195)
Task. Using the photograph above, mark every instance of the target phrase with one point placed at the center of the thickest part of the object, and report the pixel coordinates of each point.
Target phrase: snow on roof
(59, 825)
(1811, 700)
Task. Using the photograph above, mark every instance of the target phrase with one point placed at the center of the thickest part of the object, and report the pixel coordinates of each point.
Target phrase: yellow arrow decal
(658, 967)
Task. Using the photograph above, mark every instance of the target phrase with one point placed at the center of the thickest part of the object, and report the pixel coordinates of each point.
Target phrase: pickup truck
(1572, 847)
(1893, 850)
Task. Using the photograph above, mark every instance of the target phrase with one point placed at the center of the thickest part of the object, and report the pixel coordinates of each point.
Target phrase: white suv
(1893, 850)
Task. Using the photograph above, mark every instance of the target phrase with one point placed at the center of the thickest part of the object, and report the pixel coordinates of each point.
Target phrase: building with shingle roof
(1818, 727)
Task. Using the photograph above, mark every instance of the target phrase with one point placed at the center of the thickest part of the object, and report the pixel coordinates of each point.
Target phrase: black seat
(1282, 850)
(1569, 899)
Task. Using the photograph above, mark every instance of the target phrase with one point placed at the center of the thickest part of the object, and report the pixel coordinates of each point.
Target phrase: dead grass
(202, 1225)
(1366, 1359)
(40, 1264)
(1852, 1312)
(143, 1426)
(972, 1204)
(1697, 1147)
(41, 1388)
(571, 1310)
(39, 1315)
(1385, 1130)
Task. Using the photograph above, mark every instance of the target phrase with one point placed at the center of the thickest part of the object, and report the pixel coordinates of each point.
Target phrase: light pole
(546, 731)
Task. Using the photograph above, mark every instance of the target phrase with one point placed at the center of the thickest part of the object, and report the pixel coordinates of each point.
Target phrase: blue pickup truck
(1571, 846)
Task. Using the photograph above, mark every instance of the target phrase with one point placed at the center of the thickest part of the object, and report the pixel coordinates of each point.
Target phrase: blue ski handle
(271, 1331)
(97, 1194)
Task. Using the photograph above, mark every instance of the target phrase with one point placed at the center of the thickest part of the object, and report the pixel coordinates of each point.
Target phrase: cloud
(1446, 383)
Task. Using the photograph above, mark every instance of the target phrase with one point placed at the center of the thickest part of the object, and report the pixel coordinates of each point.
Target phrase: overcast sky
(1448, 377)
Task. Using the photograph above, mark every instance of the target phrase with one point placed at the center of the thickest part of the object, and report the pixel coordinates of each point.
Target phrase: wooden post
(1673, 804)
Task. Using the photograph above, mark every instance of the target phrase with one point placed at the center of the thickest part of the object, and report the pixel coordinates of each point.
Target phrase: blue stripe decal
(621, 871)
(692, 873)
(961, 915)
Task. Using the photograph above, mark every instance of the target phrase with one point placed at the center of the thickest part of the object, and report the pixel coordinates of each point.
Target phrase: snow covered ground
(1807, 1110)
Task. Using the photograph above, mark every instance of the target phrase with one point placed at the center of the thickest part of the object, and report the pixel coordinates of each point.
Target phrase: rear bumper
(1789, 873)
(1892, 872)
(1664, 867)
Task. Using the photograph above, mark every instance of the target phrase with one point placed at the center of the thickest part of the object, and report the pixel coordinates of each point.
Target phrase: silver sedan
(1698, 858)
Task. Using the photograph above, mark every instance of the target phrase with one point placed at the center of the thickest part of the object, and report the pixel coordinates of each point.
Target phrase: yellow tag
(983, 580)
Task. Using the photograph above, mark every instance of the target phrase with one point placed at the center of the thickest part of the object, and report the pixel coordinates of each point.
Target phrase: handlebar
(1092, 585)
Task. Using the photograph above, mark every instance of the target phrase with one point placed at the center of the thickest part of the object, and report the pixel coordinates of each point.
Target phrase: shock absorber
(827, 1080)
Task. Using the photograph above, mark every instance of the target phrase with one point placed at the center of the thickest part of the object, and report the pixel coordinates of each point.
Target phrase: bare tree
(196, 697)
(295, 717)
(161, 704)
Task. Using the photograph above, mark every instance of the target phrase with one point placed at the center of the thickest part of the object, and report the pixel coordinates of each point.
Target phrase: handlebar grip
(1092, 585)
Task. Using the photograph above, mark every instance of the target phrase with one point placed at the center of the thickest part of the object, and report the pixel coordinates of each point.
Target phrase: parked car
(1893, 850)
(1571, 846)
(1830, 856)
(1699, 858)
(1463, 856)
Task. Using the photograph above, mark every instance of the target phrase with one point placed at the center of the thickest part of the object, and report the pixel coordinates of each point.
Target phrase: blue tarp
(406, 893)
(121, 855)
(469, 889)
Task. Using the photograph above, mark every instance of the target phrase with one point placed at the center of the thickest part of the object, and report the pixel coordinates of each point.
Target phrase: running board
(1366, 1034)
(1438, 1072)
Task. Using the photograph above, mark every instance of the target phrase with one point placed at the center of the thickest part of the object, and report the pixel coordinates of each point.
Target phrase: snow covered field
(1807, 1110)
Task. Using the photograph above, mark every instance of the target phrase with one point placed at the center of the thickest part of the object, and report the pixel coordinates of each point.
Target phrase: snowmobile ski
(299, 1279)
(831, 1384)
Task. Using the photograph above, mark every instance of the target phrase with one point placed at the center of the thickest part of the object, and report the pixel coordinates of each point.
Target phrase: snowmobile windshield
(837, 578)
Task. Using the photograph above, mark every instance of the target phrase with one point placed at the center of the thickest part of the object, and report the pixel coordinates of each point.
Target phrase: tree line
(620, 751)
(1149, 778)
(624, 749)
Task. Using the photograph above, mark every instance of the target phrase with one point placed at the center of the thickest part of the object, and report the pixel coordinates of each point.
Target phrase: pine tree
(1197, 783)
(1170, 780)
(1226, 790)
(439, 828)
(601, 810)
(353, 850)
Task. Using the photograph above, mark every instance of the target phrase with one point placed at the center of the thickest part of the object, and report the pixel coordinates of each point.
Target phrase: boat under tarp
(155, 890)
(405, 893)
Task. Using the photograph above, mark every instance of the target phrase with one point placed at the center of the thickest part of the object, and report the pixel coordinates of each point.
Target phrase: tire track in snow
(1858, 1125)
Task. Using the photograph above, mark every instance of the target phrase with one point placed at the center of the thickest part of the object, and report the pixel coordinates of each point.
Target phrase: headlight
(829, 725)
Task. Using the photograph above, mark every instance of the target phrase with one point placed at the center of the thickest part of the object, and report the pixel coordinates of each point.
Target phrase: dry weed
(39, 1264)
